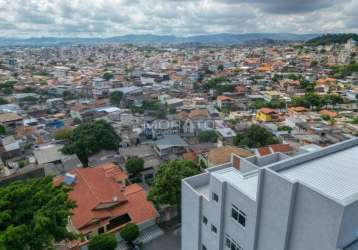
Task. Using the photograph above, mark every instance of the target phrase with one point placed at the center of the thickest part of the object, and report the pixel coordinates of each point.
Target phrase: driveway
(170, 240)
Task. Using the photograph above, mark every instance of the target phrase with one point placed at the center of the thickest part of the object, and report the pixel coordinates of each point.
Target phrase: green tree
(257, 104)
(34, 214)
(29, 99)
(103, 242)
(285, 128)
(208, 136)
(255, 137)
(331, 38)
(29, 89)
(90, 138)
(8, 86)
(275, 103)
(277, 78)
(293, 76)
(354, 120)
(314, 63)
(3, 101)
(129, 232)
(115, 98)
(219, 84)
(63, 134)
(166, 188)
(67, 95)
(2, 129)
(76, 121)
(307, 85)
(107, 75)
(332, 121)
(309, 100)
(332, 99)
(135, 165)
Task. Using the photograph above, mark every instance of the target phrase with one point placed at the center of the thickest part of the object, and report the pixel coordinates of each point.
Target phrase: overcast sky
(101, 18)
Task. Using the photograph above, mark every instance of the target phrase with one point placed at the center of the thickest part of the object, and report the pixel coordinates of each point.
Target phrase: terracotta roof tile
(198, 113)
(95, 186)
(274, 148)
(223, 98)
(267, 110)
(264, 151)
(190, 156)
(223, 154)
(283, 148)
(328, 113)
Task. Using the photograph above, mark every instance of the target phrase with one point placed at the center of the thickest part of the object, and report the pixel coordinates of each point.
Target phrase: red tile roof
(190, 156)
(283, 148)
(240, 89)
(97, 186)
(275, 148)
(267, 111)
(297, 109)
(328, 113)
(264, 151)
(223, 98)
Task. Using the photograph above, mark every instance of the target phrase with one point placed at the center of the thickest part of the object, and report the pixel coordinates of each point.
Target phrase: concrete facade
(275, 202)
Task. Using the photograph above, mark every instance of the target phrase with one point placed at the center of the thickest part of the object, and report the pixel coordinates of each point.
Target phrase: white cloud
(174, 17)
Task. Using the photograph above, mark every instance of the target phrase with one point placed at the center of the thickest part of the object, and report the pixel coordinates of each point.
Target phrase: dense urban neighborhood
(192, 146)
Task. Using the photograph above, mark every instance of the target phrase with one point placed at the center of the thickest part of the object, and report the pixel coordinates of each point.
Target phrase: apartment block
(275, 202)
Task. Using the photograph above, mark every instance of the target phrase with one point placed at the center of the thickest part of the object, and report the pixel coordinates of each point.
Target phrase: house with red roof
(223, 101)
(105, 201)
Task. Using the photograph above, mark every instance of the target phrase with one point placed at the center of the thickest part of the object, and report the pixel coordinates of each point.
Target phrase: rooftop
(247, 184)
(222, 155)
(9, 117)
(170, 141)
(102, 186)
(334, 175)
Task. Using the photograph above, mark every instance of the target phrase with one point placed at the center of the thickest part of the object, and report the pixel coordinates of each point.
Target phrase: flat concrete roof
(246, 184)
(334, 175)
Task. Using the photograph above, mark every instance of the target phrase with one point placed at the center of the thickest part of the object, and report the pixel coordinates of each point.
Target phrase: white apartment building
(276, 202)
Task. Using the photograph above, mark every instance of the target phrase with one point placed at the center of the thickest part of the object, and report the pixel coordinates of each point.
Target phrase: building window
(101, 230)
(227, 242)
(238, 215)
(215, 197)
(242, 218)
(234, 212)
(118, 221)
(214, 229)
(231, 244)
(88, 236)
(205, 220)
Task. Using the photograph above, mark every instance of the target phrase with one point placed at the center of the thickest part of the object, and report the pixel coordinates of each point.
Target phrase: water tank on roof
(69, 179)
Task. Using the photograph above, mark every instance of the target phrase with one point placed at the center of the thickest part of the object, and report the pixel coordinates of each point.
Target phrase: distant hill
(155, 39)
(331, 39)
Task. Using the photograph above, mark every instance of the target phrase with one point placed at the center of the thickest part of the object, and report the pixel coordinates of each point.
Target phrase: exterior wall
(315, 222)
(214, 212)
(209, 238)
(243, 236)
(273, 215)
(349, 225)
(147, 224)
(195, 233)
(191, 218)
(263, 117)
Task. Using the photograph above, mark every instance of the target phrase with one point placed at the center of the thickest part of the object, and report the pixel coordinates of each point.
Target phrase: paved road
(169, 241)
